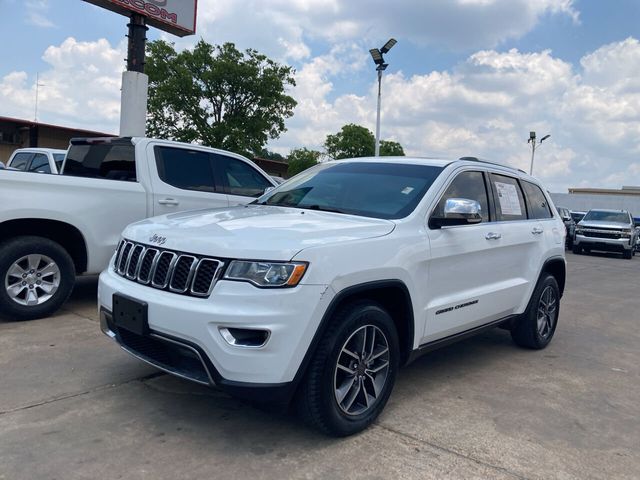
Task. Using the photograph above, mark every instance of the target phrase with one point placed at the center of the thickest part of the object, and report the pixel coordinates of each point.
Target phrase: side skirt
(505, 322)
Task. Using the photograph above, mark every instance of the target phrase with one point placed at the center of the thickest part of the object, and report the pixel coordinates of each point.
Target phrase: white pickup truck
(39, 160)
(54, 227)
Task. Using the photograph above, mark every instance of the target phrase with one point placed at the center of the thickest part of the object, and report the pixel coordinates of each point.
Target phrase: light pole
(532, 141)
(378, 59)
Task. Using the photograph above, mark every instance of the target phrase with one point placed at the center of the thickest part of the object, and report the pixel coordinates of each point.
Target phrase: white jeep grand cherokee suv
(323, 287)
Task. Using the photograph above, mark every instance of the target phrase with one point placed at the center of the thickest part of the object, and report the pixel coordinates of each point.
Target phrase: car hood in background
(253, 231)
(600, 224)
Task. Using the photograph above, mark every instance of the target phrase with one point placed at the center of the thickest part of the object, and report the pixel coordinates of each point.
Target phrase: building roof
(31, 123)
(634, 191)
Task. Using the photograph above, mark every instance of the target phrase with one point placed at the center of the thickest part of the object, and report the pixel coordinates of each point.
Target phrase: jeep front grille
(176, 272)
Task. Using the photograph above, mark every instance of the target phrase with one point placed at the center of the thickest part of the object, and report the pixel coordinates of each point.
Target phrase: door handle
(493, 236)
(169, 201)
(537, 230)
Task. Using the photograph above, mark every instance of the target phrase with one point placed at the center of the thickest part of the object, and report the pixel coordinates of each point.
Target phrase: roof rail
(476, 159)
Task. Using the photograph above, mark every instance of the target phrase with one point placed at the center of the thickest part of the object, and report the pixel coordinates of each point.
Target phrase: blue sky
(466, 77)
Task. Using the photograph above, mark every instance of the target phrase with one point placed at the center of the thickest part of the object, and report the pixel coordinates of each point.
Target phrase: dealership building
(16, 133)
(583, 199)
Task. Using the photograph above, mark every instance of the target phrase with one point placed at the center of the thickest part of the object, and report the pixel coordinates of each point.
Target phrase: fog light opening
(245, 337)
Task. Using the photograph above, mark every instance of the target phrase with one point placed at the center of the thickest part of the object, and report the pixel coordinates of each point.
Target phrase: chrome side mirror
(458, 211)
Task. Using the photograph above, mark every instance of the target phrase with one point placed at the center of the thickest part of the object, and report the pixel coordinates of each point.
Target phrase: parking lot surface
(73, 405)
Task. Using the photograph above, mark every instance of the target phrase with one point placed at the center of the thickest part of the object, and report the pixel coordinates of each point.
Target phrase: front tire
(537, 325)
(352, 372)
(36, 277)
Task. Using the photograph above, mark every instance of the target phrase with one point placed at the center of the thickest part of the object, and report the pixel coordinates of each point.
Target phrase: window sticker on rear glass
(509, 201)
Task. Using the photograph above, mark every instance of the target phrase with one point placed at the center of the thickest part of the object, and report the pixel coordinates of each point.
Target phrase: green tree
(300, 159)
(217, 95)
(389, 148)
(354, 141)
(351, 141)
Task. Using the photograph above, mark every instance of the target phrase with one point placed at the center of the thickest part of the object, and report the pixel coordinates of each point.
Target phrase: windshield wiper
(321, 208)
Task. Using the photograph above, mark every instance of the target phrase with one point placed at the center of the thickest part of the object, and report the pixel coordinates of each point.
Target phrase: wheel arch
(557, 267)
(65, 234)
(393, 295)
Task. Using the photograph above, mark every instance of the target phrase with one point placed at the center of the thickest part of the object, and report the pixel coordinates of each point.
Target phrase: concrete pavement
(75, 406)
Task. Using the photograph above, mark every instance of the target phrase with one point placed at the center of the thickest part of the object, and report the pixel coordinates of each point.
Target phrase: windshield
(58, 158)
(600, 216)
(369, 189)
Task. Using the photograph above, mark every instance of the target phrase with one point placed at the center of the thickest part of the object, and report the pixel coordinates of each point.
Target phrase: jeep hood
(253, 231)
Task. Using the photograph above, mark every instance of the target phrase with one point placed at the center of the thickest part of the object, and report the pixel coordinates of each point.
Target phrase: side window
(467, 185)
(113, 161)
(538, 205)
(185, 169)
(21, 160)
(508, 198)
(40, 163)
(239, 178)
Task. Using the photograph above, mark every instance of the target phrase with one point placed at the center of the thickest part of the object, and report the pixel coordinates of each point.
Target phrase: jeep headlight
(266, 274)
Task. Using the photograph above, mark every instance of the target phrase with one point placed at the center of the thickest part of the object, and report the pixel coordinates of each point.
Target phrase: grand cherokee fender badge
(157, 239)
(457, 307)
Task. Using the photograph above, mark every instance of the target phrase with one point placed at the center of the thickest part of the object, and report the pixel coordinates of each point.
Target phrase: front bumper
(190, 328)
(606, 244)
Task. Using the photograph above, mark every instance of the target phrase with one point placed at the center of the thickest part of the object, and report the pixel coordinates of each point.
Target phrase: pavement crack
(451, 452)
(67, 396)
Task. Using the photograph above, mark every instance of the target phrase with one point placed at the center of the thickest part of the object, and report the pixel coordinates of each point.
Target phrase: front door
(466, 276)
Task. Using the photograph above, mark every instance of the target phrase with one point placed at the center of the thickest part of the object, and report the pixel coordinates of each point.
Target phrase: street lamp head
(388, 46)
(377, 56)
(532, 137)
(544, 138)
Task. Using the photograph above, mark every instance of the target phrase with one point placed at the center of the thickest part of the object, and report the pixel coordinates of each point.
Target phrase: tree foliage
(390, 148)
(217, 95)
(300, 159)
(351, 141)
(354, 141)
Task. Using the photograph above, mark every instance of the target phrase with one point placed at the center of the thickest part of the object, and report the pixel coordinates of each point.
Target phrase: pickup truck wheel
(627, 254)
(353, 371)
(36, 278)
(537, 325)
(577, 249)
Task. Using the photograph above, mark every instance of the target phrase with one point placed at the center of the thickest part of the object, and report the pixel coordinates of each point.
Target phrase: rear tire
(537, 325)
(36, 277)
(352, 372)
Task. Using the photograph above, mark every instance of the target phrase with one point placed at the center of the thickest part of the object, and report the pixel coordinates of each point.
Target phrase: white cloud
(487, 105)
(36, 12)
(81, 88)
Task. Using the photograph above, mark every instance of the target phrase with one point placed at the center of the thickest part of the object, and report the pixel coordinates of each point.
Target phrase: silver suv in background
(606, 230)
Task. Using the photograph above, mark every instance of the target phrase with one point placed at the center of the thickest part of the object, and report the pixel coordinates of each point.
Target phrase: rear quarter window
(538, 204)
(111, 161)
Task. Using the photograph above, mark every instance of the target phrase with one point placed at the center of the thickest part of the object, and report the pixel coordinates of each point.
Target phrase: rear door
(183, 179)
(465, 274)
(521, 241)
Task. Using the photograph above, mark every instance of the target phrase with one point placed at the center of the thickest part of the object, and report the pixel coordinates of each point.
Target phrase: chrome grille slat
(176, 272)
(176, 284)
(153, 254)
(134, 261)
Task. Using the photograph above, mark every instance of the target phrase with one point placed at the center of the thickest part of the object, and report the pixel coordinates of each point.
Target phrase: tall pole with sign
(174, 16)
